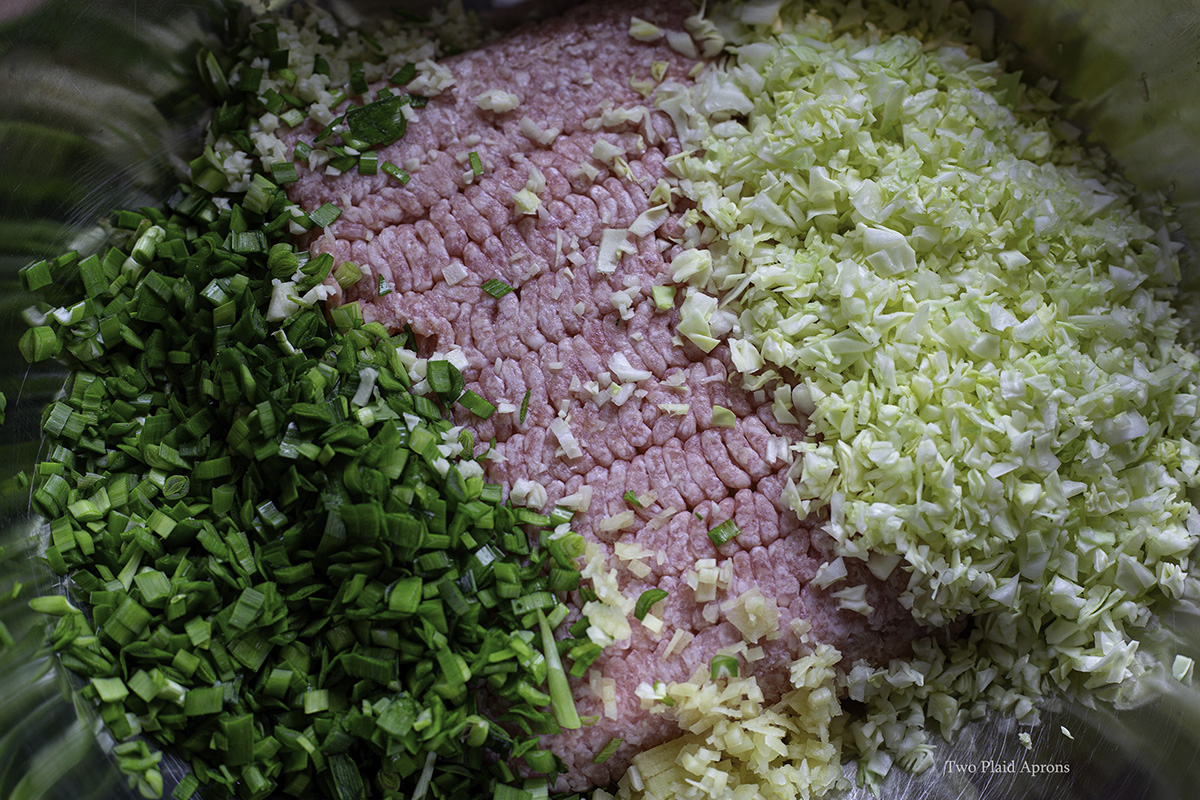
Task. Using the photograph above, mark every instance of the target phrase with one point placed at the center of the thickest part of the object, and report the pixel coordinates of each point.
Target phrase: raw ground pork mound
(438, 238)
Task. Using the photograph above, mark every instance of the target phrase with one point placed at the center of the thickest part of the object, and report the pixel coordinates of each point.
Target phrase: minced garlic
(753, 614)
(735, 746)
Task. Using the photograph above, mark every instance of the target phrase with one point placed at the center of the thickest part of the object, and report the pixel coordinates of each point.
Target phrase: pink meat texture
(560, 324)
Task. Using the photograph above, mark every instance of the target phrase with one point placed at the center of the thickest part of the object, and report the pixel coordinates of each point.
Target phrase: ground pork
(438, 238)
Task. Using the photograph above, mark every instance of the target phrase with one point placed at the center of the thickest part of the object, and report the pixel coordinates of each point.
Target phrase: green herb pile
(281, 562)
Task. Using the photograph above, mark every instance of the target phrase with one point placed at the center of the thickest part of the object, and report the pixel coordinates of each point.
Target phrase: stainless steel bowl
(94, 111)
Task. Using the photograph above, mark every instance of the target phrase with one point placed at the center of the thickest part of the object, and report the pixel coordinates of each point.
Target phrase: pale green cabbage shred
(974, 319)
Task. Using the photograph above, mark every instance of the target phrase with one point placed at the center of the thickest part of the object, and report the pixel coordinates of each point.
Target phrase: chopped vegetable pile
(735, 744)
(975, 322)
(282, 559)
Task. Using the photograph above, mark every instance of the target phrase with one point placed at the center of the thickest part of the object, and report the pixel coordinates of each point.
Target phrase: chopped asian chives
(383, 287)
(39, 344)
(153, 585)
(272, 101)
(347, 780)
(405, 74)
(524, 407)
(213, 468)
(250, 78)
(358, 79)
(475, 162)
(395, 172)
(542, 761)
(476, 404)
(247, 608)
(203, 700)
(250, 650)
(379, 123)
(425, 778)
(247, 242)
(210, 70)
(266, 37)
(533, 602)
(95, 277)
(199, 631)
(284, 171)
(582, 655)
(257, 784)
(239, 739)
(278, 60)
(563, 580)
(258, 199)
(325, 216)
(453, 668)
(110, 690)
(186, 788)
(444, 378)
(632, 498)
(186, 662)
(607, 751)
(200, 485)
(176, 487)
(496, 288)
(55, 605)
(347, 274)
(315, 701)
(724, 532)
(539, 787)
(564, 549)
(647, 599)
(380, 670)
(271, 515)
(292, 117)
(504, 791)
(723, 667)
(561, 701)
(36, 276)
(405, 596)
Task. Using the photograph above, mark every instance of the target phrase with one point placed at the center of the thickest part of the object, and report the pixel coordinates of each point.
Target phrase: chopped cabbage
(611, 243)
(643, 30)
(975, 321)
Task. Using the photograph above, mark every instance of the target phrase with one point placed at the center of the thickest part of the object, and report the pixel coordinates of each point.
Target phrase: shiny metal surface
(88, 122)
(1132, 69)
(92, 117)
(79, 132)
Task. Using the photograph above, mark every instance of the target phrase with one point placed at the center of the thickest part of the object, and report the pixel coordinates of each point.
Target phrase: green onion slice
(496, 288)
(724, 532)
(723, 667)
(524, 406)
(647, 599)
(607, 751)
